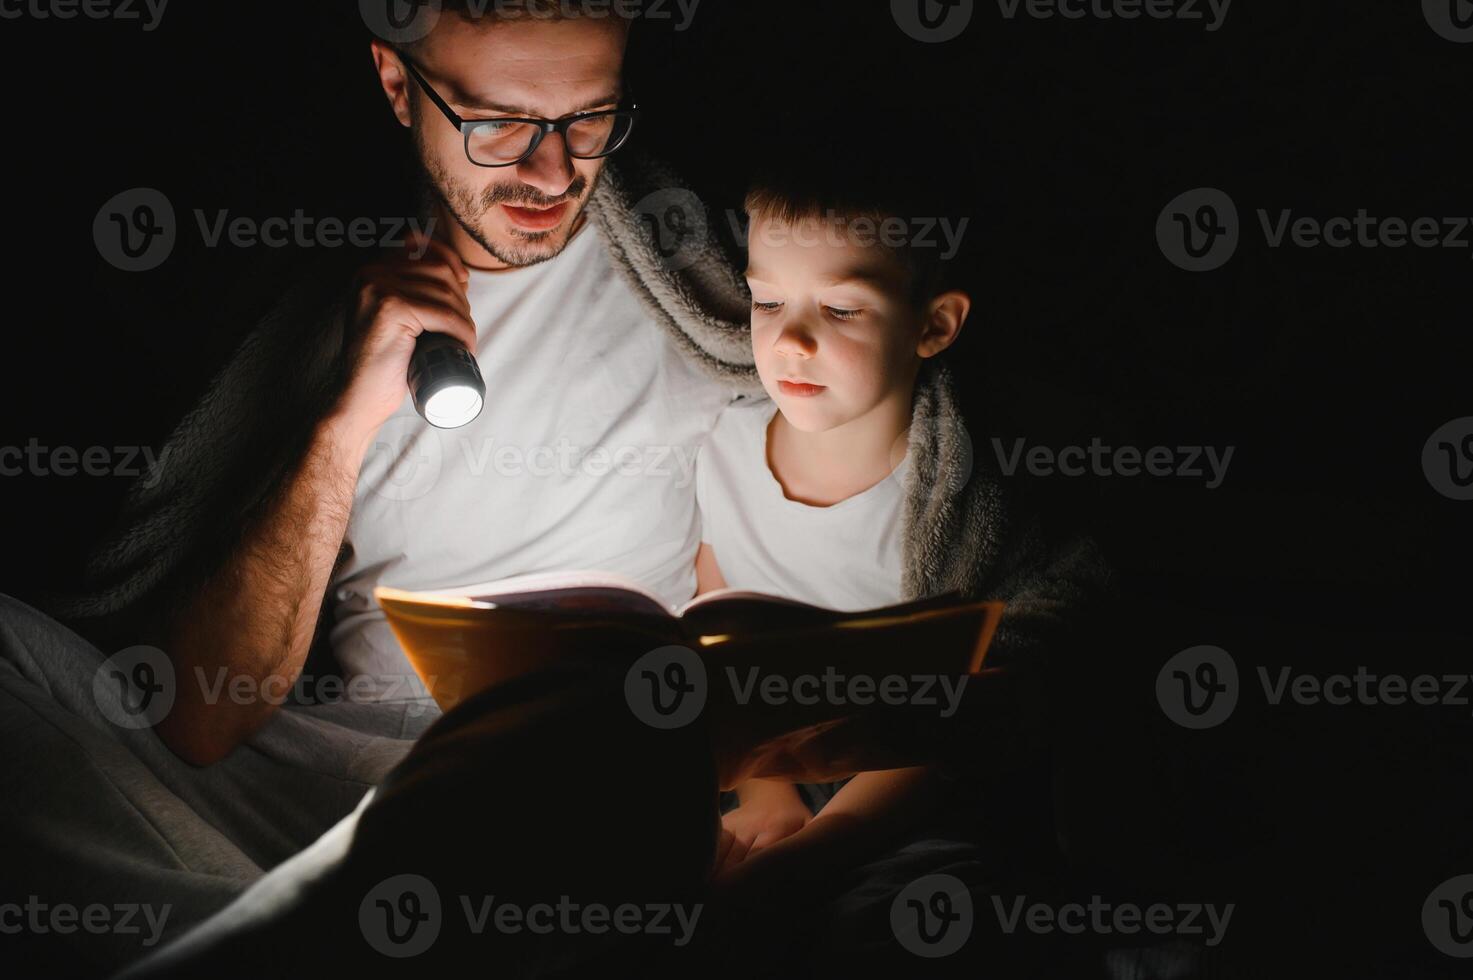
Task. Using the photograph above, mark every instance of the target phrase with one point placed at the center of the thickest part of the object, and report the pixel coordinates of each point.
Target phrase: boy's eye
(839, 314)
(766, 307)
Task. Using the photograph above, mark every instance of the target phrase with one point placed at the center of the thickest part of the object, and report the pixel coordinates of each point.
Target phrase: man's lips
(802, 389)
(536, 219)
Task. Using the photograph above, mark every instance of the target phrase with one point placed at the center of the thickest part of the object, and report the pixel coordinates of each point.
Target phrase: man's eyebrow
(482, 105)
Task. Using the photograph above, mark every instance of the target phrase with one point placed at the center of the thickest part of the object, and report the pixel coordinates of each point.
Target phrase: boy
(804, 495)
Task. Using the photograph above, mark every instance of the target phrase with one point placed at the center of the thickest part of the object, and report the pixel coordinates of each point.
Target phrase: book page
(737, 611)
(577, 591)
(732, 611)
(728, 594)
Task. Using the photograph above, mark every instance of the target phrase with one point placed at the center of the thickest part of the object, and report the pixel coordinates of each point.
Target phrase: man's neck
(824, 468)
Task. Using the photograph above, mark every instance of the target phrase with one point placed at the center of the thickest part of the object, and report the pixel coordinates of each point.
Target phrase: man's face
(832, 334)
(526, 67)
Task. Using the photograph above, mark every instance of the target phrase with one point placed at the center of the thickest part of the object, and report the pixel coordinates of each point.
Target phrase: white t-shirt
(844, 556)
(583, 457)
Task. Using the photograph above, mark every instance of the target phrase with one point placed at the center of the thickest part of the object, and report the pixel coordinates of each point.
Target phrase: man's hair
(818, 175)
(545, 10)
(542, 9)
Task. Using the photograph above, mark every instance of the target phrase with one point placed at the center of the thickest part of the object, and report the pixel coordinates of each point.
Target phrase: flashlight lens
(453, 406)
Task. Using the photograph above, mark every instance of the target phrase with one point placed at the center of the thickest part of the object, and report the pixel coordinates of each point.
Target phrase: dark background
(1325, 548)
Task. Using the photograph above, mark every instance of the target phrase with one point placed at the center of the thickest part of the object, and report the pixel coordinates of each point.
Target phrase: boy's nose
(796, 341)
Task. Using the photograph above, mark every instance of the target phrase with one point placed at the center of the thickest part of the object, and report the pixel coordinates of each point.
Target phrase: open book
(464, 640)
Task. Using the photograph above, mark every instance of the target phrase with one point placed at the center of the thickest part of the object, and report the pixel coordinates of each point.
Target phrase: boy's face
(832, 332)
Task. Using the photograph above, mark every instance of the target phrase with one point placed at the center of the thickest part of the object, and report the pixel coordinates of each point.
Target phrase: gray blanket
(965, 531)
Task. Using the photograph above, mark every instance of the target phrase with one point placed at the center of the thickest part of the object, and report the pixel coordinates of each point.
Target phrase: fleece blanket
(965, 529)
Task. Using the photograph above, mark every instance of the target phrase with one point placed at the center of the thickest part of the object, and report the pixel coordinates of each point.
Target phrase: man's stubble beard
(470, 207)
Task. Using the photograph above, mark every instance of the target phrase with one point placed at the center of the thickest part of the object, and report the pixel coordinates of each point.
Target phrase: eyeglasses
(508, 140)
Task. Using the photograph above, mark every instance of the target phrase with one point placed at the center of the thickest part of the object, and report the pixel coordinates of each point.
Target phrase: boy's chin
(807, 417)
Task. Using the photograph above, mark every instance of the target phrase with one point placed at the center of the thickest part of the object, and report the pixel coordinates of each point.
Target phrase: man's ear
(945, 317)
(395, 81)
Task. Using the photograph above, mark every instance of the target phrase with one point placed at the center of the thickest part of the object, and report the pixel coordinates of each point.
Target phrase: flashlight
(445, 381)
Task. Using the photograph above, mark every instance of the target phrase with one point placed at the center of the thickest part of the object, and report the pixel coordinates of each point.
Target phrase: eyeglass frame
(544, 126)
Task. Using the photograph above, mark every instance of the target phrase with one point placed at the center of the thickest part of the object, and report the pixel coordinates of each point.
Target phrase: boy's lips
(802, 389)
(536, 219)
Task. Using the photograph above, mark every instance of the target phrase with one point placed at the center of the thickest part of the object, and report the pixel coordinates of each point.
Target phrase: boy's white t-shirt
(583, 457)
(845, 556)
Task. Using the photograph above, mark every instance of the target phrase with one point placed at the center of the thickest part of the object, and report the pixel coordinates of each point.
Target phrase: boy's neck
(824, 468)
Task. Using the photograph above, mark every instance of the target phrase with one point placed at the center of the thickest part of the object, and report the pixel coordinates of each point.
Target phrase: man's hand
(399, 299)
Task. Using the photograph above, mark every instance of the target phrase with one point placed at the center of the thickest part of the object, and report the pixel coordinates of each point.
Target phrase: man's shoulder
(743, 417)
(737, 436)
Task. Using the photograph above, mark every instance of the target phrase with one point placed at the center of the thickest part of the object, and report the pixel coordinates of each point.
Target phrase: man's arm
(255, 617)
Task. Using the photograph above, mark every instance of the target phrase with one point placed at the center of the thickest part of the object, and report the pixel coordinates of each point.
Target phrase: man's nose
(549, 169)
(796, 340)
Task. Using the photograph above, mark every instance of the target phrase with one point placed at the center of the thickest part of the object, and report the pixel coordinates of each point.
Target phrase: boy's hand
(752, 906)
(756, 824)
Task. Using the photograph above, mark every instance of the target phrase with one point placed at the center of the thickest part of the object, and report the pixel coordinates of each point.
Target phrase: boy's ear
(945, 317)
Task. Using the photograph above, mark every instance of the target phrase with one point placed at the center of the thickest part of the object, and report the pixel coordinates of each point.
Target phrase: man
(301, 482)
(573, 364)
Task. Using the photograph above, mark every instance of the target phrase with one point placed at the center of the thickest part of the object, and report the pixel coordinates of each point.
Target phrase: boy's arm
(708, 573)
(761, 791)
(872, 807)
(749, 791)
